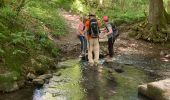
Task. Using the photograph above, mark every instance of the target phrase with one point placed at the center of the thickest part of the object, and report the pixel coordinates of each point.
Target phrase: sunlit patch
(164, 59)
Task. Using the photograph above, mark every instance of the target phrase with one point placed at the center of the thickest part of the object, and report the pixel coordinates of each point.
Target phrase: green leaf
(2, 51)
(18, 51)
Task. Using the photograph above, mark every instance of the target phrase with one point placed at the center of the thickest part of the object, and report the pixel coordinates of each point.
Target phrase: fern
(18, 51)
(2, 51)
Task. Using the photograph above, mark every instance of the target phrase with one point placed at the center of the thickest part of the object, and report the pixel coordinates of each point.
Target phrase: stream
(109, 81)
(119, 80)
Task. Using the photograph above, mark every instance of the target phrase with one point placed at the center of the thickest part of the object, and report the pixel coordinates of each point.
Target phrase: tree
(158, 17)
(159, 20)
(1, 3)
(157, 27)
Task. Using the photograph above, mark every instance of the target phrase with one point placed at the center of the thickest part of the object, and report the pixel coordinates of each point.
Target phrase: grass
(47, 15)
(24, 41)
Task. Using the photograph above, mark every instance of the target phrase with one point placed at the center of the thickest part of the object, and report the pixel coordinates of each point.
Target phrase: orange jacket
(87, 25)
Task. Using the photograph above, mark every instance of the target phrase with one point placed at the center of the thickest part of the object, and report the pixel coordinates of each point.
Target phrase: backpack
(115, 33)
(94, 29)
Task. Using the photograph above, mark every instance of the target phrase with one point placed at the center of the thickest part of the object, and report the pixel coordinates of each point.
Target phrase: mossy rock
(39, 67)
(8, 81)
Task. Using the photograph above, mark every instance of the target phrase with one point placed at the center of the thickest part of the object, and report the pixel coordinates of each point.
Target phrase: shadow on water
(96, 86)
(22, 94)
(109, 81)
(113, 82)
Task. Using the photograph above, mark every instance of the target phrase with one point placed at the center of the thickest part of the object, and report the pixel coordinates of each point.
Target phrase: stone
(68, 63)
(57, 74)
(143, 89)
(38, 81)
(159, 90)
(166, 96)
(13, 87)
(109, 60)
(31, 76)
(8, 82)
(162, 53)
(45, 76)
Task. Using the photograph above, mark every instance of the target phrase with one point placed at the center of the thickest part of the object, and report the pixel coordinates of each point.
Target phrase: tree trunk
(101, 2)
(157, 14)
(168, 7)
(1, 3)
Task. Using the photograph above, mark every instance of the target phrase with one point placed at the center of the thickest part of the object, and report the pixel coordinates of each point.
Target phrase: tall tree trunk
(157, 14)
(168, 7)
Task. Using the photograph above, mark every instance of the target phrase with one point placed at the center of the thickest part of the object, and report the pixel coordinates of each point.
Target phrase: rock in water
(38, 82)
(45, 76)
(159, 90)
(30, 76)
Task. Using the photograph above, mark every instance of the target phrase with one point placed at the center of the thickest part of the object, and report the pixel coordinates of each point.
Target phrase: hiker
(92, 29)
(81, 36)
(111, 32)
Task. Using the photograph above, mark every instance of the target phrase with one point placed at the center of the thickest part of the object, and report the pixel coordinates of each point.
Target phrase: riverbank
(128, 51)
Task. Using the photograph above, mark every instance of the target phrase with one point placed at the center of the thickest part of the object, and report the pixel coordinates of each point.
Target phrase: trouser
(111, 41)
(83, 45)
(93, 46)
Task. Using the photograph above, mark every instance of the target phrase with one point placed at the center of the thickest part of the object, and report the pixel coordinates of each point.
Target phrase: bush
(24, 35)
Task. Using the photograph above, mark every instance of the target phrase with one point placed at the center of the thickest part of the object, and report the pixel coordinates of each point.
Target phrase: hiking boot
(109, 59)
(91, 64)
(96, 64)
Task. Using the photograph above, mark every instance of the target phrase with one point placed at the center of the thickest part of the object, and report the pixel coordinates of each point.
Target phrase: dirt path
(69, 43)
(72, 24)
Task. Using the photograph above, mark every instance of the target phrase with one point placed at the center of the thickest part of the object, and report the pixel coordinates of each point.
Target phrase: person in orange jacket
(92, 29)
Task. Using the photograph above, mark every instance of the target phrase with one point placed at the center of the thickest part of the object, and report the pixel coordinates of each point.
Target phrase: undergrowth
(25, 45)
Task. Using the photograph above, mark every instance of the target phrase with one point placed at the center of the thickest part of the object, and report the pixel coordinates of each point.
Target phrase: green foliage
(24, 34)
(119, 11)
(8, 80)
(47, 14)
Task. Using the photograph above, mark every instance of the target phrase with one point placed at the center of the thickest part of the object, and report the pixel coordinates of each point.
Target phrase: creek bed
(76, 81)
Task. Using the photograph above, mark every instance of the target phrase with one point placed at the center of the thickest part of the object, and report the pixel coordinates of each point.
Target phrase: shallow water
(111, 81)
(22, 94)
(81, 82)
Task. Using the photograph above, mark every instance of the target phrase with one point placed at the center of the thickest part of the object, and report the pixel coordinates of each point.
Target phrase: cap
(105, 18)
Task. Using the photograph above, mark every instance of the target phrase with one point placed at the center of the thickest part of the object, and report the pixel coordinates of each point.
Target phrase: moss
(128, 82)
(8, 80)
(68, 83)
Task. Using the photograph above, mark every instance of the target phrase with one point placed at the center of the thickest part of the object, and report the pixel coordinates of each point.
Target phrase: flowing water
(109, 81)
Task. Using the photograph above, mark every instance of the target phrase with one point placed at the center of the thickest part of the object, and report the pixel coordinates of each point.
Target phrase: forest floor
(123, 45)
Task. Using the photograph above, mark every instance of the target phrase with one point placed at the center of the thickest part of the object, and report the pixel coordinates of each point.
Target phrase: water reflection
(97, 86)
(81, 82)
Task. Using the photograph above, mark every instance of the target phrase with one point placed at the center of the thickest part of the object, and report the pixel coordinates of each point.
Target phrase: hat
(105, 18)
